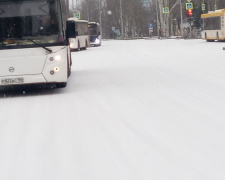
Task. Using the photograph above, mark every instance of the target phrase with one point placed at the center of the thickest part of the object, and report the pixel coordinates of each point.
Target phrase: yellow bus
(213, 25)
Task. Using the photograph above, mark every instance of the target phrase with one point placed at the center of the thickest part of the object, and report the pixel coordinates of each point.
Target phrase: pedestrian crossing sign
(189, 6)
(203, 7)
(77, 15)
(166, 10)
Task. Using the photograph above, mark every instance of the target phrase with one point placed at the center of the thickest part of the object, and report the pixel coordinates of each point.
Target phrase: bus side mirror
(99, 33)
(70, 29)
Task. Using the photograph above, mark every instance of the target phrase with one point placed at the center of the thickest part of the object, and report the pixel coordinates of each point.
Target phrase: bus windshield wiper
(40, 45)
(49, 50)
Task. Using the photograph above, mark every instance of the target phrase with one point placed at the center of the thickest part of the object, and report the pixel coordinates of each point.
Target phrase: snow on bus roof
(93, 23)
(219, 12)
(76, 19)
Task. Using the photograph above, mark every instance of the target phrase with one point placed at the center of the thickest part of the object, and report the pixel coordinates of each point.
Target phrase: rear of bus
(81, 40)
(33, 46)
(95, 33)
(213, 25)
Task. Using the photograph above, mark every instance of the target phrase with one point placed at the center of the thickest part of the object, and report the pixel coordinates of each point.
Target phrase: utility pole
(181, 19)
(157, 17)
(161, 17)
(87, 3)
(100, 17)
(167, 23)
(208, 6)
(67, 8)
(121, 17)
(73, 5)
(215, 6)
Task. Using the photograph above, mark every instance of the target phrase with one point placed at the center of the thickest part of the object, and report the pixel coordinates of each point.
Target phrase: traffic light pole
(190, 13)
(190, 27)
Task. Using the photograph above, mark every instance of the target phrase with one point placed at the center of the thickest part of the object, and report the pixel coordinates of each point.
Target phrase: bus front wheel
(68, 69)
(61, 85)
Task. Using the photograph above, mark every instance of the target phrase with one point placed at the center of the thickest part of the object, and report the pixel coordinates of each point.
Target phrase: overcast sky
(75, 1)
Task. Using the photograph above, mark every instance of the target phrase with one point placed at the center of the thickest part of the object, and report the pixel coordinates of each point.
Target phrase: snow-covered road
(132, 110)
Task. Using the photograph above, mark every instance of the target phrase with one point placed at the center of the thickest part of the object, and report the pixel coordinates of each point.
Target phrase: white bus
(34, 49)
(213, 25)
(95, 34)
(80, 40)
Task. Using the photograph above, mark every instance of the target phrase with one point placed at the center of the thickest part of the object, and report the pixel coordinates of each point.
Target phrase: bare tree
(138, 14)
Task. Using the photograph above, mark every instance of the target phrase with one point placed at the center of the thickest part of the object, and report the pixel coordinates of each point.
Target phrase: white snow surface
(132, 110)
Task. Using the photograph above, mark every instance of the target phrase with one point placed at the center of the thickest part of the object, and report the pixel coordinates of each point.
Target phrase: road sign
(150, 26)
(166, 10)
(203, 7)
(77, 15)
(189, 6)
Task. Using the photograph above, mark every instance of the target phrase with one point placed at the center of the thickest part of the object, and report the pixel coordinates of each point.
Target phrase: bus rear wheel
(85, 45)
(78, 47)
(208, 40)
(217, 36)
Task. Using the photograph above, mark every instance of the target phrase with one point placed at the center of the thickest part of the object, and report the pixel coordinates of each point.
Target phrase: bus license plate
(12, 80)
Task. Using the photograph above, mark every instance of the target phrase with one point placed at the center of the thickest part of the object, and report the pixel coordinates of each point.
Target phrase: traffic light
(189, 12)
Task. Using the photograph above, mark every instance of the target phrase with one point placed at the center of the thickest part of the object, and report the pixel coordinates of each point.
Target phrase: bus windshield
(29, 22)
(92, 29)
(212, 23)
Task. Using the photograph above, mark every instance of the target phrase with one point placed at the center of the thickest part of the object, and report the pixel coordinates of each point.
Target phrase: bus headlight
(56, 69)
(97, 41)
(58, 57)
(71, 45)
